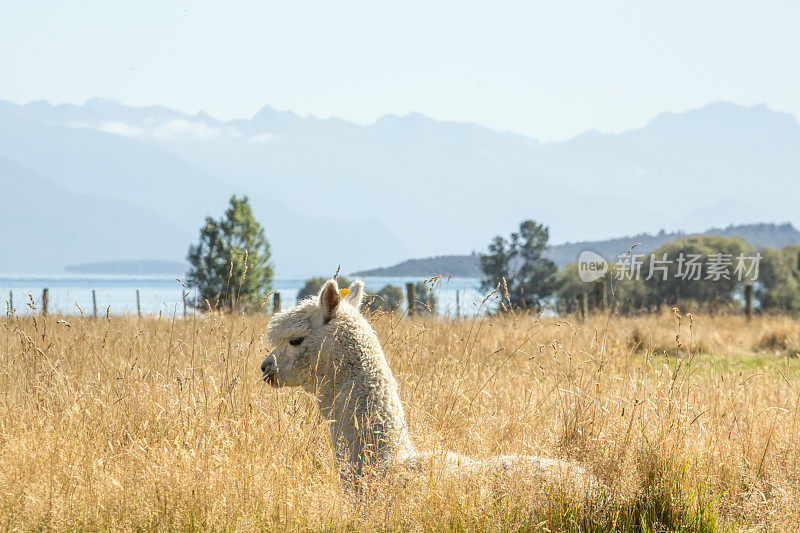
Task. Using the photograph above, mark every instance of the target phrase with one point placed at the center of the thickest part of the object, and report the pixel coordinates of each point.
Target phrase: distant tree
(683, 288)
(314, 285)
(568, 285)
(625, 296)
(689, 272)
(230, 266)
(629, 296)
(520, 260)
(425, 300)
(387, 299)
(778, 286)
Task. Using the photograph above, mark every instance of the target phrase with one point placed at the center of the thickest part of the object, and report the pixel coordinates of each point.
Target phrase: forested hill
(460, 266)
(760, 235)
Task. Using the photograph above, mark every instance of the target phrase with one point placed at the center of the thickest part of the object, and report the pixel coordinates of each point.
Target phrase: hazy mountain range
(108, 182)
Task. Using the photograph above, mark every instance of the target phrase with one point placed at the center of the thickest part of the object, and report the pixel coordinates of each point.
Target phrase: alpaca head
(302, 336)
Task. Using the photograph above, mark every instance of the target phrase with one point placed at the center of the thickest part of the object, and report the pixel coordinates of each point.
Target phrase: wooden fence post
(600, 295)
(276, 302)
(748, 300)
(458, 303)
(45, 298)
(581, 298)
(138, 304)
(410, 296)
(184, 304)
(11, 301)
(94, 302)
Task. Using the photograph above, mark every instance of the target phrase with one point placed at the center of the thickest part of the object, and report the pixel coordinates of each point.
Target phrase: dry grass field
(138, 424)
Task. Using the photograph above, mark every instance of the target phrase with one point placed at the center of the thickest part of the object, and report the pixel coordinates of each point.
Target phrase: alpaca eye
(297, 342)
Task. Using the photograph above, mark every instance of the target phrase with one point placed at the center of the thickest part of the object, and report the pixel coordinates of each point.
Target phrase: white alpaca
(326, 346)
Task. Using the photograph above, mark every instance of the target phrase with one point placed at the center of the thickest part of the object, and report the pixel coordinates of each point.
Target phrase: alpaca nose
(268, 366)
(268, 370)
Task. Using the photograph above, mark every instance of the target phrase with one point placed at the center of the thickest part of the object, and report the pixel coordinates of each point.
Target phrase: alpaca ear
(329, 299)
(356, 294)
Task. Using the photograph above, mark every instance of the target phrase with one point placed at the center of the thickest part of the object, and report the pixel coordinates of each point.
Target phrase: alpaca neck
(360, 400)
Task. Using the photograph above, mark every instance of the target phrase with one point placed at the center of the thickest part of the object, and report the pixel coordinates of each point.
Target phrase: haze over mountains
(108, 182)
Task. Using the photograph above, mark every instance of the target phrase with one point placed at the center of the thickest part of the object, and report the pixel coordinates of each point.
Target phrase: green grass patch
(787, 362)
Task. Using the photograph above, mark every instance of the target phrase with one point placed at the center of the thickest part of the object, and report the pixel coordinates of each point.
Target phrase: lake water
(163, 295)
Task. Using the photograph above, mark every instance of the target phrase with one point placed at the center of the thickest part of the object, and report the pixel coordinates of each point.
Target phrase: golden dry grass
(163, 424)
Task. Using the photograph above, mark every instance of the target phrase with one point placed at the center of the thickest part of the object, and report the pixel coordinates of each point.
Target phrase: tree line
(702, 272)
(231, 270)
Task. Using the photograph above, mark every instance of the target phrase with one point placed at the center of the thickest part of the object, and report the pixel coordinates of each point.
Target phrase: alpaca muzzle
(269, 370)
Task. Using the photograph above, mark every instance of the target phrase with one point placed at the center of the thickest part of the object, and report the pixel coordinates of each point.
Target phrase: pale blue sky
(548, 70)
